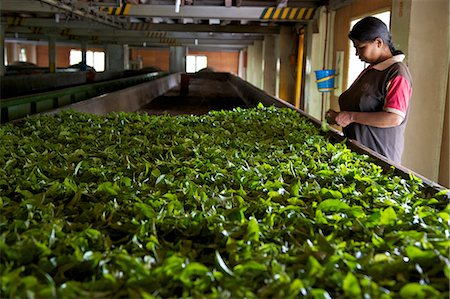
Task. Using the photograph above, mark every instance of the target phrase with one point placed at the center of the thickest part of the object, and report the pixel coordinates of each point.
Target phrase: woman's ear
(379, 42)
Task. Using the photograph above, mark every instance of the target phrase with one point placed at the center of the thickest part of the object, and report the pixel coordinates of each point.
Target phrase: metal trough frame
(19, 107)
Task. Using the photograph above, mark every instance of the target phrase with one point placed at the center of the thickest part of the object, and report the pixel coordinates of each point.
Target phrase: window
(356, 66)
(93, 59)
(23, 54)
(194, 63)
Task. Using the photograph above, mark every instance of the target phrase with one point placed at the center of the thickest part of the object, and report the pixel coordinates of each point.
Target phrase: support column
(299, 101)
(270, 65)
(258, 66)
(177, 59)
(15, 55)
(315, 48)
(83, 56)
(2, 49)
(52, 54)
(287, 46)
(126, 58)
(116, 58)
(32, 54)
(251, 64)
(242, 70)
(411, 26)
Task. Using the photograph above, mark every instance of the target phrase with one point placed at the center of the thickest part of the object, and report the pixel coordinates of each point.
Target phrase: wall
(62, 56)
(221, 61)
(428, 61)
(13, 50)
(444, 169)
(38, 54)
(152, 57)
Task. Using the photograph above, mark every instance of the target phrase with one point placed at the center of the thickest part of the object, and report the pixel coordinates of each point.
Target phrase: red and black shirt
(382, 87)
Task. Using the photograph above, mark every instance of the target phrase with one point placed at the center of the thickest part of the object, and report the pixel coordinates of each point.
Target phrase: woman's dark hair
(370, 28)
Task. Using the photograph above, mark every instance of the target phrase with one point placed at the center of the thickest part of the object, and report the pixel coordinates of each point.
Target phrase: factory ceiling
(232, 24)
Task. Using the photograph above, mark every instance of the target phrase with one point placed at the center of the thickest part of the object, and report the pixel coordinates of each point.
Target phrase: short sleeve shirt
(386, 87)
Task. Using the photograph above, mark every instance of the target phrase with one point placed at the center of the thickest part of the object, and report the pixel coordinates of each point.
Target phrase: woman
(374, 109)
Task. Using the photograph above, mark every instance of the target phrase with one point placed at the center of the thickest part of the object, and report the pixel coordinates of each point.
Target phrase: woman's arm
(380, 119)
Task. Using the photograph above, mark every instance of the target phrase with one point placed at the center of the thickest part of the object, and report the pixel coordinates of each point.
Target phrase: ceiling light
(214, 21)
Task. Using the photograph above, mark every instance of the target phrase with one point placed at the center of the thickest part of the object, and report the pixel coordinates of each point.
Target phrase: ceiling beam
(133, 40)
(139, 27)
(248, 13)
(94, 15)
(54, 7)
(113, 35)
(26, 6)
(233, 44)
(269, 29)
(195, 12)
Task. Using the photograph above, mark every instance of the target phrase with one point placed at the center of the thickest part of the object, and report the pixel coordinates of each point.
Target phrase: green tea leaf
(333, 205)
(108, 187)
(388, 216)
(351, 286)
(253, 230)
(193, 269)
(415, 290)
(415, 253)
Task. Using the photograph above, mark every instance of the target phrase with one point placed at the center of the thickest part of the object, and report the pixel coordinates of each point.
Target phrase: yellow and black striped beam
(15, 21)
(117, 11)
(139, 26)
(292, 14)
(288, 14)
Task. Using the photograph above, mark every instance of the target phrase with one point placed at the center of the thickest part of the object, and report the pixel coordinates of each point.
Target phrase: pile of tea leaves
(253, 203)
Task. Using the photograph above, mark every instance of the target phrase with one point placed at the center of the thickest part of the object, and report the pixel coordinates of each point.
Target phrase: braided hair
(370, 28)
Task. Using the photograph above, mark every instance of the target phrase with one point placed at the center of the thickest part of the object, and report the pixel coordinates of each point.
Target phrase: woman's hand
(344, 118)
(330, 116)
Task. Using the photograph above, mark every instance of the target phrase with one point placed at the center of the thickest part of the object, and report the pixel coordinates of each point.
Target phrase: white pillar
(116, 58)
(32, 55)
(251, 64)
(258, 66)
(15, 51)
(177, 59)
(126, 57)
(242, 70)
(270, 64)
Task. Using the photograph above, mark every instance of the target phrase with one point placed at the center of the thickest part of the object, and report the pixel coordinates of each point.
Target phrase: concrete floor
(203, 96)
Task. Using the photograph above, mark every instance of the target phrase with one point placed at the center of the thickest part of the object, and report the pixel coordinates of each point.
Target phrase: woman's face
(368, 51)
